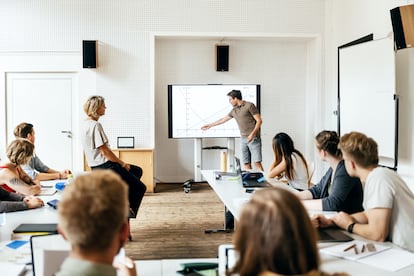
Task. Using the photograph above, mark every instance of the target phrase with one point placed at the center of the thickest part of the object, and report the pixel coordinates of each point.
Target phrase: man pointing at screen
(249, 121)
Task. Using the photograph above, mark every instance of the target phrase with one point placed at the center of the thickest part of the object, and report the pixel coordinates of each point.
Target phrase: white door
(44, 100)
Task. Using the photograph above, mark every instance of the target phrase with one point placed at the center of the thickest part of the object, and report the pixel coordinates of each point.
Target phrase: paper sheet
(12, 268)
(391, 260)
(338, 250)
(385, 257)
(47, 191)
(16, 252)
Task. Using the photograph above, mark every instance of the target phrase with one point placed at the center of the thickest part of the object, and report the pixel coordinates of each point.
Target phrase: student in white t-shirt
(388, 201)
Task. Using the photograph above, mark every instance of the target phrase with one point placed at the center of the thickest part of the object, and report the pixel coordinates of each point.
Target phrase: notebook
(332, 235)
(36, 227)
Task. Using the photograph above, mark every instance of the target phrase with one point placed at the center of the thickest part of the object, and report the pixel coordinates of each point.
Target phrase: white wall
(279, 66)
(349, 20)
(125, 31)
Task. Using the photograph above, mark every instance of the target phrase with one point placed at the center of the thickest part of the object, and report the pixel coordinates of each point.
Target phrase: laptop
(332, 235)
(237, 170)
(48, 253)
(249, 179)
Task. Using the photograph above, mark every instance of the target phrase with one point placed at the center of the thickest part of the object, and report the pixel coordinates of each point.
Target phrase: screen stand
(197, 165)
(198, 157)
(198, 160)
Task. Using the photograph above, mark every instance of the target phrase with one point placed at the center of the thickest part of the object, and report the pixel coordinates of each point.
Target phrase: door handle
(68, 133)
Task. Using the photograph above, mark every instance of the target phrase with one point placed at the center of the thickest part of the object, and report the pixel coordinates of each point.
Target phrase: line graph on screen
(192, 106)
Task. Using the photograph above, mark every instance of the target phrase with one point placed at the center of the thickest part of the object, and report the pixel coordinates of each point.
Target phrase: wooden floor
(170, 224)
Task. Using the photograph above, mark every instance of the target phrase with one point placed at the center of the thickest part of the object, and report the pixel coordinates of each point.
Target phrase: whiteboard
(367, 94)
(192, 106)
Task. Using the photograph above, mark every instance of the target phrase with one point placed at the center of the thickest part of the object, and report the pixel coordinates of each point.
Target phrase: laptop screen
(237, 165)
(48, 253)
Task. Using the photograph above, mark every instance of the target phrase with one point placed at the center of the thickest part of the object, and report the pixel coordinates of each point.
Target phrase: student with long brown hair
(289, 162)
(275, 236)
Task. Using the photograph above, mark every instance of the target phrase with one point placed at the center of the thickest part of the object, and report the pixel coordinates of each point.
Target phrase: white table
(45, 214)
(231, 191)
(166, 267)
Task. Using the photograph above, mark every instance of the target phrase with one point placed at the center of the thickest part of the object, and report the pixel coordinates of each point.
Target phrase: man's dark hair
(235, 94)
(23, 130)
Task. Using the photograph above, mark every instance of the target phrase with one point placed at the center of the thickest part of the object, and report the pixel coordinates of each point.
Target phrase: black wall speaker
(89, 53)
(222, 54)
(402, 19)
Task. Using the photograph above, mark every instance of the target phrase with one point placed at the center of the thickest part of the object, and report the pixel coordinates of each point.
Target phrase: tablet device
(227, 258)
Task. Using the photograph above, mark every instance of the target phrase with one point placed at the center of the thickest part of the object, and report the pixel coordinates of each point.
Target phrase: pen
(350, 247)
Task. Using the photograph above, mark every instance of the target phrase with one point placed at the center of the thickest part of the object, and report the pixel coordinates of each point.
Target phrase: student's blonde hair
(92, 210)
(362, 149)
(92, 104)
(275, 234)
(20, 151)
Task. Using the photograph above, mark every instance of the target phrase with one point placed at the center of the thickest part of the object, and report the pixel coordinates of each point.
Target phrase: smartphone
(53, 203)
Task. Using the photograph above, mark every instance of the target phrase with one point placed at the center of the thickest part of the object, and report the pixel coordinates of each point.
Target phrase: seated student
(11, 202)
(336, 191)
(275, 237)
(388, 201)
(12, 176)
(36, 169)
(289, 162)
(93, 213)
(100, 156)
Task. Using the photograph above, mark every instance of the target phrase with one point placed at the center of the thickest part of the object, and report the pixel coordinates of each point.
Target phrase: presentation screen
(192, 106)
(367, 95)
